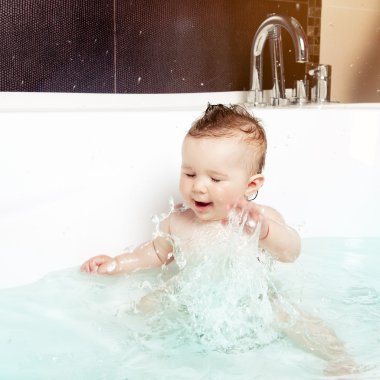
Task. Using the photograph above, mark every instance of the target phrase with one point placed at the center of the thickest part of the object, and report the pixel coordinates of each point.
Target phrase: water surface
(71, 325)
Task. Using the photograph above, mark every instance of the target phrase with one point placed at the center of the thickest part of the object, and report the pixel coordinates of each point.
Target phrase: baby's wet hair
(220, 120)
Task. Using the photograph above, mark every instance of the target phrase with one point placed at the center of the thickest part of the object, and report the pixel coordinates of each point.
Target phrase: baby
(223, 156)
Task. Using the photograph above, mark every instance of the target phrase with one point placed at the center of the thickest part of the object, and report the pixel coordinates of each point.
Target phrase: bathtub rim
(53, 101)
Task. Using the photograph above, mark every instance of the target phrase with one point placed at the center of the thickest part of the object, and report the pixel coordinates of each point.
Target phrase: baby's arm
(280, 240)
(151, 254)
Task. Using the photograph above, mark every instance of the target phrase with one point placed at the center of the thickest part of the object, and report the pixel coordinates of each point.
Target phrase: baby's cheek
(225, 196)
(183, 188)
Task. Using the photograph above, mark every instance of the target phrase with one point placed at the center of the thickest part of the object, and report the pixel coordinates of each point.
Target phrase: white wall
(350, 42)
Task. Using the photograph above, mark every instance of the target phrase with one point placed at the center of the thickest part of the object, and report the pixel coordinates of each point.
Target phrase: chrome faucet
(271, 29)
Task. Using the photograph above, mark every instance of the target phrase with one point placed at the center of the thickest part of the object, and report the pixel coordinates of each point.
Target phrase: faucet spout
(271, 29)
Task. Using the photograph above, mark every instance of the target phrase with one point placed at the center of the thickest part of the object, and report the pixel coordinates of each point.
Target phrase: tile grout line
(114, 48)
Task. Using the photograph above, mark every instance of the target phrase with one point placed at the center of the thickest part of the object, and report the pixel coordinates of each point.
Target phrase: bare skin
(215, 179)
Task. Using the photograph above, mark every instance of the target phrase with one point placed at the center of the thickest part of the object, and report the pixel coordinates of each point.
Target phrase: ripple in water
(362, 295)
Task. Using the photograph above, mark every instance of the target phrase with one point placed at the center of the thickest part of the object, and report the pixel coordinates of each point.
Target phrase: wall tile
(63, 46)
(159, 46)
(177, 46)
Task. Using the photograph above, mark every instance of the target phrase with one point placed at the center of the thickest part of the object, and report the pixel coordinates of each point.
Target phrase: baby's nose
(199, 186)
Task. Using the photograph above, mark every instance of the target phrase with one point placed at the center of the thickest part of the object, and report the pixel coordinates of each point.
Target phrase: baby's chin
(210, 217)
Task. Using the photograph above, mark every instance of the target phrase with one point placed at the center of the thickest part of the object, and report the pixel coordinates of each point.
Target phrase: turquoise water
(71, 325)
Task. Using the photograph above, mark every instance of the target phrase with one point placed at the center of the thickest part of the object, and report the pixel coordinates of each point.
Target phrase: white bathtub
(82, 175)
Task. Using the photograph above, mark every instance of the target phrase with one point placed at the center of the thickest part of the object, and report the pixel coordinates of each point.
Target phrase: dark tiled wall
(140, 46)
(314, 28)
(55, 45)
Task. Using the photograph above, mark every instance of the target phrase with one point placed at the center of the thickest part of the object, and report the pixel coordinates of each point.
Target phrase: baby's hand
(102, 264)
(251, 215)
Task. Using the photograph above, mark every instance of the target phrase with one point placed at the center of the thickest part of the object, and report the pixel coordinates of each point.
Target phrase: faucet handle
(319, 71)
(319, 76)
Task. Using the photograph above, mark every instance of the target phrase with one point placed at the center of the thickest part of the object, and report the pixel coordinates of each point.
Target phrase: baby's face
(214, 175)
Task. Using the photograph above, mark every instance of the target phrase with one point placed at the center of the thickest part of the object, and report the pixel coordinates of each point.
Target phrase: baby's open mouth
(202, 204)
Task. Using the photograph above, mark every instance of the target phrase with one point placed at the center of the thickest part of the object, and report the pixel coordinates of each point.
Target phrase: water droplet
(138, 80)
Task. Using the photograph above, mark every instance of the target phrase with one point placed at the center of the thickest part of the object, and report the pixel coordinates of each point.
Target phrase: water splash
(221, 294)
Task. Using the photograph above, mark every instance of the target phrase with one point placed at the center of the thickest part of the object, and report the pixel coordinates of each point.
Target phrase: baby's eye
(215, 180)
(189, 175)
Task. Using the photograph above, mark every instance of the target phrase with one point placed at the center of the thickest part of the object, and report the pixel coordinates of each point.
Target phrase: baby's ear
(254, 184)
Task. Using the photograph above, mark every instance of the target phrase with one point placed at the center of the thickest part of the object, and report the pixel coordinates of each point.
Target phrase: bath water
(211, 322)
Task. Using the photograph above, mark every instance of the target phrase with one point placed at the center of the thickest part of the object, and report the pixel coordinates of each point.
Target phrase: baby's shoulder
(181, 213)
(181, 219)
(271, 213)
(177, 217)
